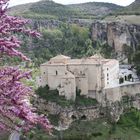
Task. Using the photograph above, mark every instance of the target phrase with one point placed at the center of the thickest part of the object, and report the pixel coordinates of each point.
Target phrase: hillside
(96, 8)
(44, 9)
(133, 8)
(129, 14)
(50, 10)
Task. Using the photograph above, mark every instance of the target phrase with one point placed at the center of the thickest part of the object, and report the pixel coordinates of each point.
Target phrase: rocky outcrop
(84, 113)
(48, 24)
(68, 114)
(116, 34)
(114, 111)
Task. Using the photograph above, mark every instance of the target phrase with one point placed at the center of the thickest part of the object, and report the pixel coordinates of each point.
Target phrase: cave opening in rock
(83, 117)
(73, 117)
(102, 114)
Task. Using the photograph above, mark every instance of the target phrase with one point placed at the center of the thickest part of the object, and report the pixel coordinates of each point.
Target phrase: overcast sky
(119, 2)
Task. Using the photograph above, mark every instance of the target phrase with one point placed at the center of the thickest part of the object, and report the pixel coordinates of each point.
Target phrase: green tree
(89, 48)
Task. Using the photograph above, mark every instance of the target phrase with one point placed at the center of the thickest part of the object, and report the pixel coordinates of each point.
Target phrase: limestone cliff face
(116, 34)
(48, 24)
(53, 24)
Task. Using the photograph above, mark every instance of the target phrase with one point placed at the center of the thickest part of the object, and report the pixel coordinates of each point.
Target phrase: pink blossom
(14, 95)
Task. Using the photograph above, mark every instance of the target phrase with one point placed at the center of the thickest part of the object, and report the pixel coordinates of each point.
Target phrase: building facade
(89, 75)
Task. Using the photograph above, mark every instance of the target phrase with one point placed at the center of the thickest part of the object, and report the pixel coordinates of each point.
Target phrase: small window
(107, 74)
(108, 83)
(56, 72)
(107, 69)
(44, 72)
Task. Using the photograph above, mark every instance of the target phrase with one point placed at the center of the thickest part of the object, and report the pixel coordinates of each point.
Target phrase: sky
(119, 2)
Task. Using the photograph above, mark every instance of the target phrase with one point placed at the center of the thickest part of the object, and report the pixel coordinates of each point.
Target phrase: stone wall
(116, 93)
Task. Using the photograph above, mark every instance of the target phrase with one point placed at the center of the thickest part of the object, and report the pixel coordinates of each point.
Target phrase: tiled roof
(95, 59)
(60, 57)
(96, 56)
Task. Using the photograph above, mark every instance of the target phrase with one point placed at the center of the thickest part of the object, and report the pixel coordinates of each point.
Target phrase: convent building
(89, 75)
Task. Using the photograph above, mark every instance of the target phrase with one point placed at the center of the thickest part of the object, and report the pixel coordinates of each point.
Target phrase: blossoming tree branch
(14, 95)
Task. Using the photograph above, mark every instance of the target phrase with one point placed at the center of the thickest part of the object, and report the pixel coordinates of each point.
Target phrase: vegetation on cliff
(71, 40)
(53, 96)
(67, 39)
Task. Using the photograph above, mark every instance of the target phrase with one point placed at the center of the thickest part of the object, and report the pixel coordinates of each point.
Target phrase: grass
(83, 101)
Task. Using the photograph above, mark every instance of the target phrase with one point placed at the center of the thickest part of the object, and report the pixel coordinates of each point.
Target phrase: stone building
(90, 75)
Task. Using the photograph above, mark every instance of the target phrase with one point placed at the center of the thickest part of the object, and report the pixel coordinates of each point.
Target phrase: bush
(130, 119)
(53, 96)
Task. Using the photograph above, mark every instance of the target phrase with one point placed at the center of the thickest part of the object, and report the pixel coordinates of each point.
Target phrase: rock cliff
(116, 34)
(68, 114)
(48, 24)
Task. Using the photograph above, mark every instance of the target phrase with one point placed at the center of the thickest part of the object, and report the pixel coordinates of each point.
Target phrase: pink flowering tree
(16, 112)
